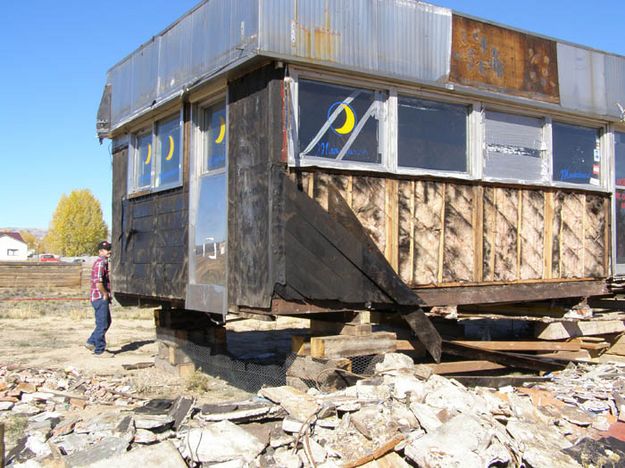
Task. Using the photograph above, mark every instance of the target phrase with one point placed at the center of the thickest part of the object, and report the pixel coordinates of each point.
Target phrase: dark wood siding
(150, 238)
(255, 116)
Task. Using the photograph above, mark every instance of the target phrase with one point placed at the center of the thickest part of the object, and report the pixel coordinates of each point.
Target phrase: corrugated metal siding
(216, 34)
(582, 79)
(403, 39)
(400, 38)
(414, 40)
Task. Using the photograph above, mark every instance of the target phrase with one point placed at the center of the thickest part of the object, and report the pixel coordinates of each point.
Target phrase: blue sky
(54, 57)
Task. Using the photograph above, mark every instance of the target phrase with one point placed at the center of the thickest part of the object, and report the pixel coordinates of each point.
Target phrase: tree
(77, 225)
(31, 240)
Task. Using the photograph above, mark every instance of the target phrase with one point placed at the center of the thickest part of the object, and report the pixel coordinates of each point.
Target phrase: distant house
(12, 247)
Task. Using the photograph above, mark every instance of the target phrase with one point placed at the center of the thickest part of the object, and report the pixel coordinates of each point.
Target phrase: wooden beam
(324, 328)
(519, 225)
(513, 292)
(495, 381)
(507, 359)
(563, 330)
(522, 345)
(460, 367)
(333, 347)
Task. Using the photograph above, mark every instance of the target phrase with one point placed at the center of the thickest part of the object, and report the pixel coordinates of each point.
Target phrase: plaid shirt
(100, 274)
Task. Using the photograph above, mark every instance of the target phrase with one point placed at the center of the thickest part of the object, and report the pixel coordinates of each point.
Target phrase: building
(12, 247)
(287, 157)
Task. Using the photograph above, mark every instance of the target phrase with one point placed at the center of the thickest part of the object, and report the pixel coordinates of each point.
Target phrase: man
(100, 300)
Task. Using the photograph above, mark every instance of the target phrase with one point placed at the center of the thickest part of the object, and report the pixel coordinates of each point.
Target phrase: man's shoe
(90, 347)
(104, 354)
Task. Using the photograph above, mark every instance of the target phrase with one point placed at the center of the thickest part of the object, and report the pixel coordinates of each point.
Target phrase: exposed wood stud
(493, 234)
(478, 233)
(350, 194)
(548, 236)
(607, 239)
(311, 185)
(441, 242)
(584, 231)
(392, 222)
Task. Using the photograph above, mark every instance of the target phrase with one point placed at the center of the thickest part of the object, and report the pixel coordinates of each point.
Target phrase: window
(514, 147)
(431, 135)
(144, 160)
(576, 154)
(214, 137)
(12, 252)
(338, 123)
(155, 159)
(168, 152)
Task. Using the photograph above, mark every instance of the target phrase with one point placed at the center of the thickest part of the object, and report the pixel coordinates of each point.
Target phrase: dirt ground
(51, 334)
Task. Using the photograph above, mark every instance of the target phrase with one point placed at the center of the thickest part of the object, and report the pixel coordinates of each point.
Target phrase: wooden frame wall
(449, 233)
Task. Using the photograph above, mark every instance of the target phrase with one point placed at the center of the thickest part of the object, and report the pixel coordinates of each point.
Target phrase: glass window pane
(432, 135)
(215, 136)
(514, 147)
(168, 141)
(576, 155)
(338, 123)
(620, 158)
(144, 160)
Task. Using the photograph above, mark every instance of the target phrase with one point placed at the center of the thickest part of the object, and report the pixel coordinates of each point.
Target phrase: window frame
(294, 157)
(547, 153)
(151, 128)
(199, 126)
(471, 131)
(603, 133)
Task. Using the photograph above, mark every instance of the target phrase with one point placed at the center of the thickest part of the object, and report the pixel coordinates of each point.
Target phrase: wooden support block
(323, 328)
(300, 345)
(618, 347)
(563, 330)
(332, 347)
(182, 370)
(459, 367)
(523, 345)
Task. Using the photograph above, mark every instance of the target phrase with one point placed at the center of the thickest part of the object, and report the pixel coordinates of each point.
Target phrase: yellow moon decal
(222, 131)
(149, 156)
(171, 148)
(350, 121)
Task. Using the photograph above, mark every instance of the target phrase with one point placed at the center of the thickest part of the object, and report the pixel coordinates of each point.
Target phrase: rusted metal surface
(498, 59)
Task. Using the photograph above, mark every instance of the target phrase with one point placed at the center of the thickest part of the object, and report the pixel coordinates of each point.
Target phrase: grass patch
(198, 382)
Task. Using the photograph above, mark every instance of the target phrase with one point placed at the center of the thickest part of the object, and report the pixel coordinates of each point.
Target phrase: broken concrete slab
(163, 455)
(425, 416)
(298, 404)
(221, 442)
(153, 422)
(444, 447)
(539, 442)
(393, 362)
(180, 409)
(145, 437)
(99, 452)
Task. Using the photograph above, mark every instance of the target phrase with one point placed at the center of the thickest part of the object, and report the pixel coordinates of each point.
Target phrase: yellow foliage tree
(31, 240)
(77, 225)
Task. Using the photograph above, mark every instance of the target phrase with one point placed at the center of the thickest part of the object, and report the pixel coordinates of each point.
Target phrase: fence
(43, 275)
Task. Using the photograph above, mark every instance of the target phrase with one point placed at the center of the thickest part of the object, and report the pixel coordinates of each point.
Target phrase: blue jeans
(102, 324)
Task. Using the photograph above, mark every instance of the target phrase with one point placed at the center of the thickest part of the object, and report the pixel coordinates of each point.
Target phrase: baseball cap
(104, 245)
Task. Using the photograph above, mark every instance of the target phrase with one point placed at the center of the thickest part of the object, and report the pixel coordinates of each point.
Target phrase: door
(208, 212)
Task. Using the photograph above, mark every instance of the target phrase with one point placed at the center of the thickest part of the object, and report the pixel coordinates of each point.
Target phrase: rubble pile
(401, 416)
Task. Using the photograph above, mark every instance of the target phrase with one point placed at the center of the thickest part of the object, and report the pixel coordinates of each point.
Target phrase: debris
(163, 455)
(221, 442)
(101, 451)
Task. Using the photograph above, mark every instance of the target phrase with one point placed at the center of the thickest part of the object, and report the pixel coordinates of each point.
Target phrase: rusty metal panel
(397, 38)
(494, 58)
